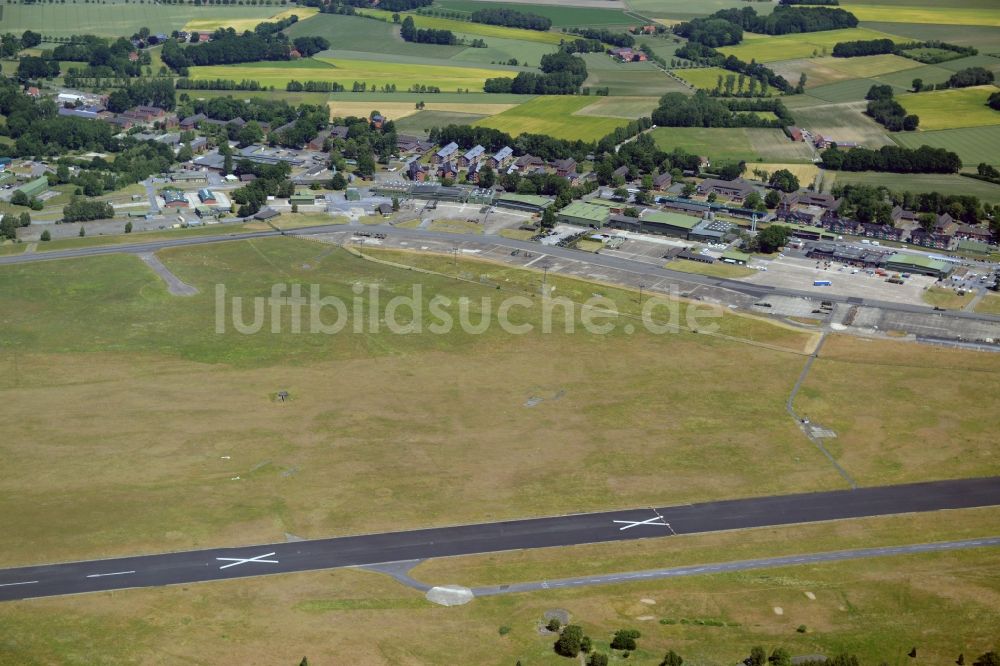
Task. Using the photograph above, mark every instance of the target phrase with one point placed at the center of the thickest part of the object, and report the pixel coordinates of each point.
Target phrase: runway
(628, 524)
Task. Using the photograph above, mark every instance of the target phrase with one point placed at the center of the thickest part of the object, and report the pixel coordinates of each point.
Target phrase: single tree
(128, 227)
(672, 659)
(46, 236)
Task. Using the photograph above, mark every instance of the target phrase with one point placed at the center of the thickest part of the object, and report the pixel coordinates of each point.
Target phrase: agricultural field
(939, 15)
(973, 144)
(806, 173)
(869, 66)
(241, 24)
(345, 72)
(849, 90)
(950, 109)
(985, 38)
(556, 117)
(642, 79)
(920, 182)
(399, 110)
(729, 144)
(469, 28)
(767, 48)
(424, 121)
(928, 74)
(356, 33)
(562, 15)
(527, 54)
(115, 19)
(630, 108)
(845, 122)
(684, 10)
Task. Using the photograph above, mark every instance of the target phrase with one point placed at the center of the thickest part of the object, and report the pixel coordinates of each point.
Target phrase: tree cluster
(701, 110)
(272, 180)
(887, 111)
(892, 159)
(150, 92)
(409, 32)
(706, 55)
(912, 50)
(10, 224)
(562, 74)
(511, 19)
(726, 26)
(994, 101)
(81, 209)
(265, 42)
(970, 76)
(34, 67)
(307, 46)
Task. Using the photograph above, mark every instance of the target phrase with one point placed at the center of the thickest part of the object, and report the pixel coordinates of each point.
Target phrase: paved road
(727, 567)
(228, 563)
(647, 271)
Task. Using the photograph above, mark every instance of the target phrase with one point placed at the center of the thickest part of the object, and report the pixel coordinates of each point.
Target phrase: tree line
(265, 42)
(620, 39)
(892, 159)
(511, 19)
(410, 33)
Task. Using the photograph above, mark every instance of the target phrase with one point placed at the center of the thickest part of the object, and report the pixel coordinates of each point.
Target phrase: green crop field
(641, 79)
(868, 66)
(472, 98)
(527, 54)
(685, 9)
(620, 107)
(920, 182)
(469, 28)
(422, 122)
(949, 109)
(765, 48)
(561, 16)
(345, 72)
(846, 91)
(989, 62)
(973, 144)
(116, 19)
(554, 116)
(929, 74)
(983, 37)
(733, 144)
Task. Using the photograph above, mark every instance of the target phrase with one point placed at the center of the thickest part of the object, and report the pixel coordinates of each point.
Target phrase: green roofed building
(670, 224)
(34, 187)
(302, 199)
(917, 263)
(531, 203)
(584, 214)
(735, 257)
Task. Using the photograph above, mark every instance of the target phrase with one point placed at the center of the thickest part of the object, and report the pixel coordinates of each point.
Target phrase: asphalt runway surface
(229, 563)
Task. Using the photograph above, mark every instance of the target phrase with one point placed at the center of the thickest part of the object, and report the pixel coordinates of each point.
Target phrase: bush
(625, 639)
(801, 629)
(46, 236)
(672, 659)
(128, 227)
(504, 630)
(553, 625)
(598, 659)
(569, 641)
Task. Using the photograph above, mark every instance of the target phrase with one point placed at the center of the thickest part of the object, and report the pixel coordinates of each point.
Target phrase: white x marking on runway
(629, 524)
(233, 561)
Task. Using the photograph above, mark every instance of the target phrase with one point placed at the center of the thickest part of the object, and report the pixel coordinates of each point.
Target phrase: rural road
(648, 271)
(627, 524)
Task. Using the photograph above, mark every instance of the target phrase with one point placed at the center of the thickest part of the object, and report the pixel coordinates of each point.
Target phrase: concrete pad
(450, 595)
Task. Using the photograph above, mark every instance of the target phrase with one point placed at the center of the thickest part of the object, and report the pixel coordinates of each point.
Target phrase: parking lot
(800, 273)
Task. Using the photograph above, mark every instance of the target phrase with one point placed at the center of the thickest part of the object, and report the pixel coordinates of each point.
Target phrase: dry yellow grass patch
(806, 173)
(241, 24)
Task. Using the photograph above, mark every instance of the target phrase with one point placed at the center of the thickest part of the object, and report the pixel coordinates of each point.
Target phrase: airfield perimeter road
(228, 563)
(651, 272)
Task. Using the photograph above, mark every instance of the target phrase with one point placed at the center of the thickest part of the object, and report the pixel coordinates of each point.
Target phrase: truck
(822, 283)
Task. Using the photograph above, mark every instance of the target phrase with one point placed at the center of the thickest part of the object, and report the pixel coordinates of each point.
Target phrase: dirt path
(174, 283)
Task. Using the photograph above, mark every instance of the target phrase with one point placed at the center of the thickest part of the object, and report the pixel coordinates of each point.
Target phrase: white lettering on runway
(233, 561)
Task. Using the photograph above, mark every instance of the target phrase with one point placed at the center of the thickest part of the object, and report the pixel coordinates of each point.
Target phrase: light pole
(641, 287)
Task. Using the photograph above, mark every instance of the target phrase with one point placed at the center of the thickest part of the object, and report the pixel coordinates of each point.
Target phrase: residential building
(501, 157)
(473, 156)
(885, 232)
(564, 167)
(445, 153)
(737, 189)
(662, 182)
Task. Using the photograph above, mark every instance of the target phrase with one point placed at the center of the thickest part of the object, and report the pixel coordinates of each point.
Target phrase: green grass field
(345, 72)
(527, 54)
(984, 38)
(423, 122)
(924, 182)
(684, 10)
(554, 116)
(929, 74)
(242, 24)
(767, 48)
(950, 109)
(869, 66)
(560, 16)
(850, 90)
(620, 107)
(973, 144)
(469, 28)
(751, 145)
(115, 19)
